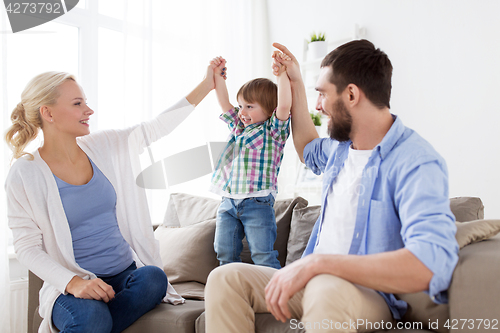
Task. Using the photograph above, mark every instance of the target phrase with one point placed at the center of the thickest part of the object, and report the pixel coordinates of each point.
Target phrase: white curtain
(4, 280)
(4, 231)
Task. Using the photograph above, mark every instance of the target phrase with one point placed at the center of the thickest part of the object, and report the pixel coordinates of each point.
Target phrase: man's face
(332, 105)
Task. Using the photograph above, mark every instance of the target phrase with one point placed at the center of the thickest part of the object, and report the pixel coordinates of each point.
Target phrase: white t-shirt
(341, 206)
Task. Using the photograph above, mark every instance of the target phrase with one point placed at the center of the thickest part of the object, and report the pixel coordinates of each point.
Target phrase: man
(385, 225)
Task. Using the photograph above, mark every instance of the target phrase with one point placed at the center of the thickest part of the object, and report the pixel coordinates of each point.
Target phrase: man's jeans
(137, 291)
(250, 217)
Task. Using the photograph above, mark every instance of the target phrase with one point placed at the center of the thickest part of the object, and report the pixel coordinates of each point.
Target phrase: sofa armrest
(474, 292)
(35, 284)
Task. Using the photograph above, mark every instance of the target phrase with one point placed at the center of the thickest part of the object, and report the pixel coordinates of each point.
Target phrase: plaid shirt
(251, 160)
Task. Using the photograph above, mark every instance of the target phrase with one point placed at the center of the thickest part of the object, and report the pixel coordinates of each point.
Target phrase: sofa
(186, 245)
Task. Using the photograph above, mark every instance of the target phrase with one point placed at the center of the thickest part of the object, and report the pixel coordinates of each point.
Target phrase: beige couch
(186, 241)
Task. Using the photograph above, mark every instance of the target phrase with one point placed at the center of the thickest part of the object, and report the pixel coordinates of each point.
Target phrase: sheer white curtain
(4, 231)
(133, 59)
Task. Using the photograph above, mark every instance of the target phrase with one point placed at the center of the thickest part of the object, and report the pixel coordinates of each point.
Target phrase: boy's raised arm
(219, 64)
(284, 90)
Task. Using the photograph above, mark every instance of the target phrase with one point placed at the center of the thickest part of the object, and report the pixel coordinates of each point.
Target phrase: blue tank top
(98, 244)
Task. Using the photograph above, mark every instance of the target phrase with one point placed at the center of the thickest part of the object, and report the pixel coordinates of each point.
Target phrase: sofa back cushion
(187, 252)
(187, 209)
(467, 208)
(303, 219)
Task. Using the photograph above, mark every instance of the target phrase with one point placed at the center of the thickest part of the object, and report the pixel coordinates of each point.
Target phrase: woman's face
(71, 113)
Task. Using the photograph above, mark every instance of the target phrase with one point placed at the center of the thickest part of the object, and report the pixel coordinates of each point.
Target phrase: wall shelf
(310, 67)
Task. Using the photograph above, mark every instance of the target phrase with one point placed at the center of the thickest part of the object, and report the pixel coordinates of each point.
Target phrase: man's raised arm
(303, 130)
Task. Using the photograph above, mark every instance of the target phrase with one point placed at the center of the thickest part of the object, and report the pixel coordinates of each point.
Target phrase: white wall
(446, 59)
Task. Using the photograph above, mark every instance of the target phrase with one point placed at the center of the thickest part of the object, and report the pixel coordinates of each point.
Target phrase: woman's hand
(219, 66)
(90, 289)
(209, 77)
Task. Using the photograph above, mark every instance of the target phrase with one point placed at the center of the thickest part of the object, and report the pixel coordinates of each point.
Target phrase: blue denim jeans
(250, 217)
(137, 291)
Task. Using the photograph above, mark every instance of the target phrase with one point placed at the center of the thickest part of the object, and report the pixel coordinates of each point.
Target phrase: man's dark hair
(360, 63)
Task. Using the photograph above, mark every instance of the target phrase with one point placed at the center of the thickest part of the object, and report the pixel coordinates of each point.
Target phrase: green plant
(316, 118)
(318, 37)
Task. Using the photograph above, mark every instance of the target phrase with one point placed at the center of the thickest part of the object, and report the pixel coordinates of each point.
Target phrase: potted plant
(317, 46)
(316, 118)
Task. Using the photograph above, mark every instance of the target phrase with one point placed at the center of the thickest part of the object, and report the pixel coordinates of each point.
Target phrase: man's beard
(340, 128)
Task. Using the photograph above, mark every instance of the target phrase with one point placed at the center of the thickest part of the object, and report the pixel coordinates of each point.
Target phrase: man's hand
(90, 289)
(287, 282)
(291, 63)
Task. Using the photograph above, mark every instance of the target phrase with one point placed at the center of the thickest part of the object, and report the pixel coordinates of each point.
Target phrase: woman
(78, 218)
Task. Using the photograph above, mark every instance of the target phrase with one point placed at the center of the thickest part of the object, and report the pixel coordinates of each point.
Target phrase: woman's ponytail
(22, 132)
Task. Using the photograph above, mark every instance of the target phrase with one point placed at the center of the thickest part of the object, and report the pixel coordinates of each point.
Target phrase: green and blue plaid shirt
(251, 160)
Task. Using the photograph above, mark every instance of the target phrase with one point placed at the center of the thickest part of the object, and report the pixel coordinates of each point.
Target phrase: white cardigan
(42, 237)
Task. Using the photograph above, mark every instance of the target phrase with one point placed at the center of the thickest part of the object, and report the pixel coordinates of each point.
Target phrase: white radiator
(19, 306)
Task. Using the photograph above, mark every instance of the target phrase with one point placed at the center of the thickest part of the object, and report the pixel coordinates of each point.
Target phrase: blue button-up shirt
(403, 204)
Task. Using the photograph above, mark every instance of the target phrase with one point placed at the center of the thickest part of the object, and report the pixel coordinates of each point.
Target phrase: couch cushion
(467, 208)
(283, 210)
(264, 323)
(476, 231)
(190, 290)
(187, 252)
(474, 290)
(169, 318)
(186, 209)
(303, 219)
(422, 310)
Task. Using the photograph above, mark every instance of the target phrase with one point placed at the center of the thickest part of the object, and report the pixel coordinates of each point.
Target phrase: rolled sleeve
(428, 225)
(280, 129)
(230, 117)
(317, 152)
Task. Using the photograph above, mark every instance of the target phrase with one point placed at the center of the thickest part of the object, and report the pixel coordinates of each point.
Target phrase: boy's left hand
(278, 67)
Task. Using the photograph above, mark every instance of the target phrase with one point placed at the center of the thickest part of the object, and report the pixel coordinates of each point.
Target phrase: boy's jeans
(250, 217)
(137, 291)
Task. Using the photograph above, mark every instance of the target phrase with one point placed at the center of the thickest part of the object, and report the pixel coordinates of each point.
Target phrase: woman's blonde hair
(26, 119)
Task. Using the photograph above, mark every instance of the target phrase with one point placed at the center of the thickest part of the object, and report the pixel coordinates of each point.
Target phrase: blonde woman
(79, 220)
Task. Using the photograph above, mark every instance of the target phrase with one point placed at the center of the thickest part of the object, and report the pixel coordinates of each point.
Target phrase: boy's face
(251, 113)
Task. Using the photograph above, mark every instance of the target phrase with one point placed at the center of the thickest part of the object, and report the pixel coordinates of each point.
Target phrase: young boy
(247, 172)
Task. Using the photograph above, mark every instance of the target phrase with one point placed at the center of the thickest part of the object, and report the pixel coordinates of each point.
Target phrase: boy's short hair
(262, 91)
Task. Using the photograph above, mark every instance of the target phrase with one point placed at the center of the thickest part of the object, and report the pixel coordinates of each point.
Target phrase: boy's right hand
(219, 66)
